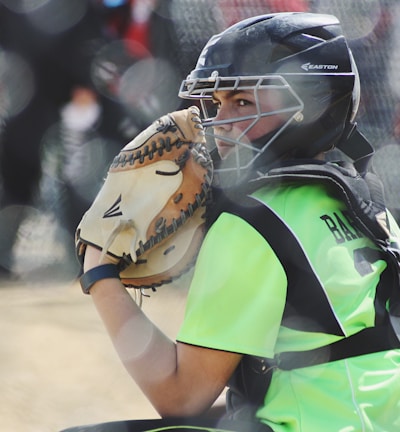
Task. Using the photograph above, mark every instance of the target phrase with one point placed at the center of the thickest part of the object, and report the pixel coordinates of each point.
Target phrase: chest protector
(364, 198)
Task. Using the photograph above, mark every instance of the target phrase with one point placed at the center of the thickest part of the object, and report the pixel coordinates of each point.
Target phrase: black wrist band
(95, 274)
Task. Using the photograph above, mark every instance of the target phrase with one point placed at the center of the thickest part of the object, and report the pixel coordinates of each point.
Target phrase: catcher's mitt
(149, 213)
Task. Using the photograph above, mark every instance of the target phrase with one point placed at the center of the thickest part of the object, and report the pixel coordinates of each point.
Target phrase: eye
(243, 102)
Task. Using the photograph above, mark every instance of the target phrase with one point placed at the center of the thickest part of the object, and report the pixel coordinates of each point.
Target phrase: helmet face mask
(290, 109)
(302, 57)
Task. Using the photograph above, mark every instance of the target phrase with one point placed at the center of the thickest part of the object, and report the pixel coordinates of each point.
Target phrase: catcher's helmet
(303, 55)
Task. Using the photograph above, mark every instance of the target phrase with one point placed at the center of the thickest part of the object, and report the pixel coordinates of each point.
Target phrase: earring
(299, 117)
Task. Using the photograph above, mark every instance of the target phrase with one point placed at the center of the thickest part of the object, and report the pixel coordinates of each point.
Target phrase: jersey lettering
(341, 226)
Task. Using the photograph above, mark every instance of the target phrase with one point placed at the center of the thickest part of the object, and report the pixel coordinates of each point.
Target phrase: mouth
(224, 148)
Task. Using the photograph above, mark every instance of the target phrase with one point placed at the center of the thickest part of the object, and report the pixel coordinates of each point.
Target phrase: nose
(222, 115)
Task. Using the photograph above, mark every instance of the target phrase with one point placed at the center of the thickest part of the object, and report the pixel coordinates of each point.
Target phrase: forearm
(147, 354)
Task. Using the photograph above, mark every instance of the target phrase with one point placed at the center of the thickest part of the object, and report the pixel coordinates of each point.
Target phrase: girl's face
(239, 103)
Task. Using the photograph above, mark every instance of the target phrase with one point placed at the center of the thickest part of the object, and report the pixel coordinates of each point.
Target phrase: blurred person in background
(50, 105)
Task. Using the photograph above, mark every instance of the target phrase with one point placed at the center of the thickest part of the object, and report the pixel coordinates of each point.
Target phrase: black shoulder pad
(363, 195)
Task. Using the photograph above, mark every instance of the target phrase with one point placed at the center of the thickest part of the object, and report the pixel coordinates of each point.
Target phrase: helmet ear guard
(309, 57)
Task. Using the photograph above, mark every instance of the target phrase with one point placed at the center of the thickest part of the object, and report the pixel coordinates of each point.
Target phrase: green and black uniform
(237, 302)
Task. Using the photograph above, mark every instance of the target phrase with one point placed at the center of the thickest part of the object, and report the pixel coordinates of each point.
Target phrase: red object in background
(137, 39)
(136, 35)
(237, 10)
(288, 5)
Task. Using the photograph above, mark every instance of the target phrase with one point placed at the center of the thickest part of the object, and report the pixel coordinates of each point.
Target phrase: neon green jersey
(237, 300)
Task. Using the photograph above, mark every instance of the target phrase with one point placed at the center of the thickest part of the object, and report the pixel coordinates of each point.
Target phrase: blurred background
(78, 80)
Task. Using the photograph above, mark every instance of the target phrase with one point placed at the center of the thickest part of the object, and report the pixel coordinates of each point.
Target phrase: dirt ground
(58, 367)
